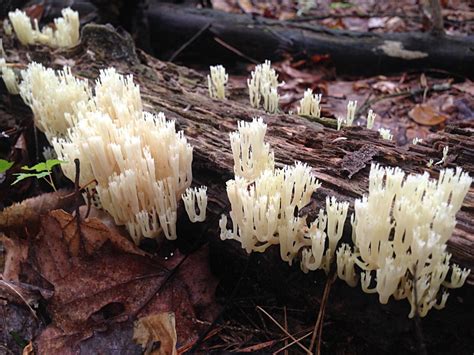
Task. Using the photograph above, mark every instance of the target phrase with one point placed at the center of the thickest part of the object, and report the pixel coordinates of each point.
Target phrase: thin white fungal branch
(340, 120)
(2, 50)
(445, 156)
(193, 196)
(263, 85)
(216, 82)
(417, 140)
(9, 78)
(7, 27)
(310, 104)
(351, 111)
(304, 6)
(400, 230)
(370, 119)
(385, 134)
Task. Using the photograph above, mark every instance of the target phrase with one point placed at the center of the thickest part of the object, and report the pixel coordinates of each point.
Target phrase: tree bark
(259, 38)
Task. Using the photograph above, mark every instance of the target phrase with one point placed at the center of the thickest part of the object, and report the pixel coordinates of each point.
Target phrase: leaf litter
(101, 283)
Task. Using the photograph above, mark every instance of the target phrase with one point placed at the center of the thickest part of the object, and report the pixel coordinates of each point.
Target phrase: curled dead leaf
(30, 210)
(425, 114)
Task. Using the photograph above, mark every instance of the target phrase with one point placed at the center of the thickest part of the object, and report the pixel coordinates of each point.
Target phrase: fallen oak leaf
(425, 114)
(94, 233)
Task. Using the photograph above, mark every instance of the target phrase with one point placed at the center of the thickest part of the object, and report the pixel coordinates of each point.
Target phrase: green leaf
(51, 163)
(5, 165)
(44, 166)
(23, 176)
(38, 167)
(340, 5)
(19, 340)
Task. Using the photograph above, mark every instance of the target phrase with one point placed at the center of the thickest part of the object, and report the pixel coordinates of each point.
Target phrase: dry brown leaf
(28, 350)
(157, 329)
(105, 282)
(467, 87)
(29, 211)
(385, 86)
(425, 114)
(16, 253)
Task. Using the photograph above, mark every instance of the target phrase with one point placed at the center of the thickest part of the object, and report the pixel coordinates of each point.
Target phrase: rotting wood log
(340, 160)
(260, 38)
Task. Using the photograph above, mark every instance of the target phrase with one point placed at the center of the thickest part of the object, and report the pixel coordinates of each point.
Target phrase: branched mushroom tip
(370, 119)
(192, 196)
(385, 134)
(7, 27)
(9, 78)
(351, 111)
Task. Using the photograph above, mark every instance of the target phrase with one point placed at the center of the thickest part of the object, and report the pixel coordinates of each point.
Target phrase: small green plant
(340, 5)
(5, 165)
(40, 171)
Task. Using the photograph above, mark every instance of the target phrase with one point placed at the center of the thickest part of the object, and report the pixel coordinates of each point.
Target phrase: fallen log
(258, 38)
(340, 160)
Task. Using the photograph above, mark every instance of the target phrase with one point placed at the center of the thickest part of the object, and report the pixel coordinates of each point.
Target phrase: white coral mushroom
(216, 82)
(400, 230)
(310, 104)
(263, 85)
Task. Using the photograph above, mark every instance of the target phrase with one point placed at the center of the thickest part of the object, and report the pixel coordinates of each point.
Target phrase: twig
(77, 202)
(318, 327)
(191, 40)
(229, 299)
(286, 326)
(413, 92)
(292, 343)
(235, 50)
(284, 330)
(9, 285)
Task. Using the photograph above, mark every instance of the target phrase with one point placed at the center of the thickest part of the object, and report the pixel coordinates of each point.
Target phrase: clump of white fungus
(140, 163)
(400, 230)
(216, 82)
(310, 104)
(263, 85)
(64, 35)
(263, 204)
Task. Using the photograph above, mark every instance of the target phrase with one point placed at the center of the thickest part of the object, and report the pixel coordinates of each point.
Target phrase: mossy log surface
(340, 160)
